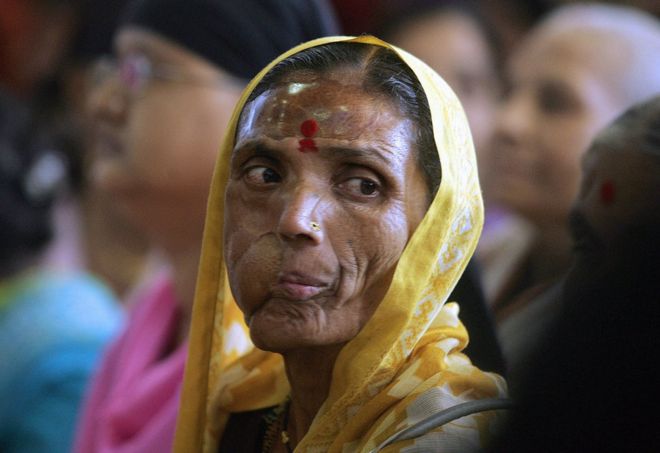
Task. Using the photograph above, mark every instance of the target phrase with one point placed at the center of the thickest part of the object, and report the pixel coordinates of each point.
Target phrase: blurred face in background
(159, 116)
(615, 220)
(565, 86)
(618, 195)
(454, 45)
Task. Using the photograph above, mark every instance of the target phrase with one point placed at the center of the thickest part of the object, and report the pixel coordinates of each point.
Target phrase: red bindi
(308, 128)
(607, 192)
(306, 145)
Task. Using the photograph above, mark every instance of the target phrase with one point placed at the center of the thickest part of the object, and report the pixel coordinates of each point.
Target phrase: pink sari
(133, 402)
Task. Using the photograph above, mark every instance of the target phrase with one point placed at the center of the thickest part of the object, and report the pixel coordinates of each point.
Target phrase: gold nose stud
(315, 226)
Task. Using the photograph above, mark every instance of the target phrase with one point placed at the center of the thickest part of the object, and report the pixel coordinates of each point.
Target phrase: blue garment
(53, 329)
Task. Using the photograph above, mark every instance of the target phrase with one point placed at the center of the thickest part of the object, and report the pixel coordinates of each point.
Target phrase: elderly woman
(574, 73)
(335, 231)
(604, 340)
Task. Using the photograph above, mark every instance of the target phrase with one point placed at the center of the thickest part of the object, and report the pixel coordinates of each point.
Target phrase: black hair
(30, 175)
(402, 13)
(241, 37)
(640, 125)
(383, 72)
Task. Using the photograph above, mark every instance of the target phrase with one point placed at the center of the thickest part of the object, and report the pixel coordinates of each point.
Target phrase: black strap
(445, 416)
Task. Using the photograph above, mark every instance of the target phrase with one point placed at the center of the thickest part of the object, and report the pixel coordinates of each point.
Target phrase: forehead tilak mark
(308, 128)
(287, 106)
(607, 192)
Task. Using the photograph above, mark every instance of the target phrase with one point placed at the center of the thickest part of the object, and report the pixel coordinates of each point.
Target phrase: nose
(106, 100)
(302, 216)
(513, 120)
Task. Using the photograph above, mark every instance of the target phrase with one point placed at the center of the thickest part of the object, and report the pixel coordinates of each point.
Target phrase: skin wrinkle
(300, 85)
(355, 140)
(352, 271)
(276, 262)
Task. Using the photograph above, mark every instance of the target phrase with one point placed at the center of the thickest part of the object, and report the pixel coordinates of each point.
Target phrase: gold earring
(315, 226)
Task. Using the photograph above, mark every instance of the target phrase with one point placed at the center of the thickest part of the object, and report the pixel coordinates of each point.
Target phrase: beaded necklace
(276, 423)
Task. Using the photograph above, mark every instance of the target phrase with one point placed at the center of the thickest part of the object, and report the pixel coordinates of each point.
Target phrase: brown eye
(553, 99)
(262, 176)
(368, 187)
(361, 187)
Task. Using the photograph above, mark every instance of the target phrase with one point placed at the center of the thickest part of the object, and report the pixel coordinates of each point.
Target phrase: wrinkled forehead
(338, 105)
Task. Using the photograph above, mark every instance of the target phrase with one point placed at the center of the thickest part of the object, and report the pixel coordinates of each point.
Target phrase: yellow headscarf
(406, 361)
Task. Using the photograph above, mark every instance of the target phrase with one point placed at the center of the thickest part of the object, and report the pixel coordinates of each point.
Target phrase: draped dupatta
(403, 365)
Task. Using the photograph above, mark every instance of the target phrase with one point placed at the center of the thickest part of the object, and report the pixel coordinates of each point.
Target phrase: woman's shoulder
(53, 330)
(73, 302)
(49, 309)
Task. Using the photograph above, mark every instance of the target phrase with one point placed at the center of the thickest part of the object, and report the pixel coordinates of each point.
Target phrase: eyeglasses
(136, 71)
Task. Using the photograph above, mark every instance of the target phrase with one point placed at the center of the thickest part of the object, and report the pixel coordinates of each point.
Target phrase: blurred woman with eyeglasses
(160, 108)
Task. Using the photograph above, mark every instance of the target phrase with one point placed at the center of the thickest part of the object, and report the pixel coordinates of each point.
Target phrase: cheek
(560, 176)
(150, 139)
(381, 246)
(557, 164)
(176, 143)
(563, 141)
(239, 232)
(252, 266)
(381, 241)
(249, 251)
(480, 113)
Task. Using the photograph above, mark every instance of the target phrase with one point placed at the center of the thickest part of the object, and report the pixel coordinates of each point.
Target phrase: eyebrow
(368, 153)
(262, 149)
(258, 148)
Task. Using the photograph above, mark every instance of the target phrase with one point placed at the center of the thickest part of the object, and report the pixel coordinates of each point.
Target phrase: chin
(281, 337)
(278, 339)
(274, 343)
(287, 328)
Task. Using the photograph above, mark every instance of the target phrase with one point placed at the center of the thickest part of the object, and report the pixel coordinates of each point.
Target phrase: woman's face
(463, 59)
(618, 192)
(323, 195)
(615, 219)
(565, 87)
(157, 137)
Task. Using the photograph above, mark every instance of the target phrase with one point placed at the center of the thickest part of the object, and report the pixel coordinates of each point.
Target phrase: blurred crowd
(111, 115)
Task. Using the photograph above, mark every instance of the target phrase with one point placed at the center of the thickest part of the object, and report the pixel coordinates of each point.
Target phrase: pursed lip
(298, 286)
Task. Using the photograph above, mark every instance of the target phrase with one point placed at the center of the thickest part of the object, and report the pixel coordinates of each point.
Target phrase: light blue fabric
(53, 329)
